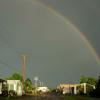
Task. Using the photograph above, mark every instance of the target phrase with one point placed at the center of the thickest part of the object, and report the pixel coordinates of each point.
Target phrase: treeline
(96, 91)
(93, 81)
(28, 86)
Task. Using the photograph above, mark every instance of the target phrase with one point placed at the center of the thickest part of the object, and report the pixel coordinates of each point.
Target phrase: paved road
(48, 97)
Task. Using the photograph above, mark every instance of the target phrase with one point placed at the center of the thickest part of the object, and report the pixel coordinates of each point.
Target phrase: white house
(73, 88)
(16, 86)
(68, 88)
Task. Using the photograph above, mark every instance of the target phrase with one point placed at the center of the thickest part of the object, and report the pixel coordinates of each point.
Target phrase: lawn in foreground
(50, 97)
(77, 97)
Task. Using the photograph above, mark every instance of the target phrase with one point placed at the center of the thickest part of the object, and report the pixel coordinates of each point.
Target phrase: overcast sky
(84, 14)
(56, 52)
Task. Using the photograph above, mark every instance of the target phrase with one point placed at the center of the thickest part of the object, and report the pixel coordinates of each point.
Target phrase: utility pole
(23, 67)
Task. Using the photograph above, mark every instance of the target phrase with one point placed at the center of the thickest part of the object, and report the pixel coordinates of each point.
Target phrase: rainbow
(68, 22)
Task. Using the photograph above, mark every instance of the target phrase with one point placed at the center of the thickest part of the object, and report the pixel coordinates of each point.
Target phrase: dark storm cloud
(56, 52)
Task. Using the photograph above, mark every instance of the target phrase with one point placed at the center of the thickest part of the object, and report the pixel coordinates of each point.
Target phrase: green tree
(96, 92)
(15, 76)
(28, 85)
(89, 80)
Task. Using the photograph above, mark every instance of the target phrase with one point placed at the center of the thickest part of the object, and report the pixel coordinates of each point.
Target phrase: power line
(4, 40)
(7, 65)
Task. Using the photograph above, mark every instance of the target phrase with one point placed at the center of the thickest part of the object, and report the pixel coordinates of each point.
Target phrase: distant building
(68, 88)
(43, 89)
(75, 88)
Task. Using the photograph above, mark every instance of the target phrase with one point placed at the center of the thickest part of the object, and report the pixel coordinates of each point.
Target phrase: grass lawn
(73, 97)
(51, 97)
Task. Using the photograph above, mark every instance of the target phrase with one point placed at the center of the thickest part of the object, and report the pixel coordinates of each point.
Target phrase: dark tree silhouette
(96, 92)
